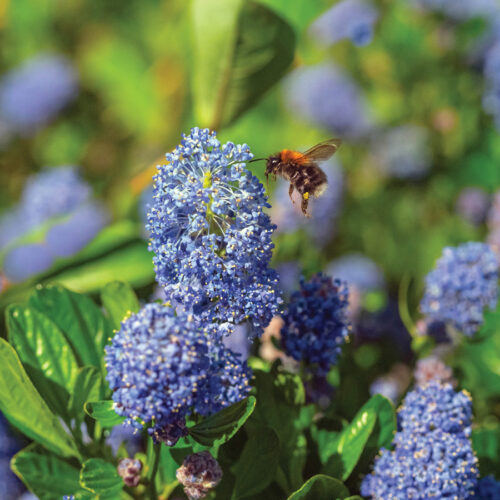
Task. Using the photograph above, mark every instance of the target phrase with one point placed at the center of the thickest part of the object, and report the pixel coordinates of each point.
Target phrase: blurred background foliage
(256, 71)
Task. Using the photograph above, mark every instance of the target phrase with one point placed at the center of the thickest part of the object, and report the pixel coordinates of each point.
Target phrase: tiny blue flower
(353, 19)
(210, 235)
(463, 284)
(315, 324)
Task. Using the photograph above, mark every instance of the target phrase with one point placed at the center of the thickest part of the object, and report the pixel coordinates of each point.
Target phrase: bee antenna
(256, 159)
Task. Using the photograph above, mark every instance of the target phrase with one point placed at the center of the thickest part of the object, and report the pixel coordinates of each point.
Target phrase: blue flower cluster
(472, 204)
(491, 97)
(10, 486)
(403, 152)
(324, 95)
(33, 93)
(353, 19)
(324, 211)
(433, 456)
(463, 284)
(315, 324)
(163, 365)
(488, 488)
(210, 235)
(58, 197)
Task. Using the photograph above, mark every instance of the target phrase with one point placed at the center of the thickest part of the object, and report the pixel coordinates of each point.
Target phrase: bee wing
(323, 150)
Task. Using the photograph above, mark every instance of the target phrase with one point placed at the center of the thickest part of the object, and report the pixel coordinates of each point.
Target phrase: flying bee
(302, 170)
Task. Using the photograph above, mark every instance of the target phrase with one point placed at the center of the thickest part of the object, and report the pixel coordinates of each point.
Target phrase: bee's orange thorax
(288, 155)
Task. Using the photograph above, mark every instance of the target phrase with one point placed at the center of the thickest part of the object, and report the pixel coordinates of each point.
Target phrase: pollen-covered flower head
(210, 235)
(315, 324)
(162, 366)
(463, 284)
(432, 456)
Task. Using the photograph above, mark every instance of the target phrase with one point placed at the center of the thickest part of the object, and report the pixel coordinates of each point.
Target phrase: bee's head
(272, 164)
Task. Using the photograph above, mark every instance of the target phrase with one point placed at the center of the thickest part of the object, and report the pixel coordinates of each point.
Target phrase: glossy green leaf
(101, 477)
(320, 487)
(87, 387)
(24, 408)
(241, 49)
(302, 14)
(256, 467)
(103, 412)
(47, 475)
(350, 443)
(119, 300)
(45, 353)
(221, 427)
(385, 426)
(39, 342)
(81, 321)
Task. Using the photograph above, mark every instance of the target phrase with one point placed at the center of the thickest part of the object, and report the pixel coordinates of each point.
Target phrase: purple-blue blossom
(472, 204)
(433, 455)
(358, 270)
(210, 234)
(162, 367)
(462, 286)
(26, 260)
(10, 486)
(315, 323)
(68, 237)
(403, 152)
(352, 19)
(36, 91)
(325, 95)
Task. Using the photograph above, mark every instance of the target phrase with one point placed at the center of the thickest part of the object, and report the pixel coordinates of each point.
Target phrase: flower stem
(154, 470)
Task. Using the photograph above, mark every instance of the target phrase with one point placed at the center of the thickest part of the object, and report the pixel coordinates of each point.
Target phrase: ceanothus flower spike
(210, 235)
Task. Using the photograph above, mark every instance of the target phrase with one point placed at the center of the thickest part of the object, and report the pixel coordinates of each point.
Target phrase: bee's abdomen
(312, 180)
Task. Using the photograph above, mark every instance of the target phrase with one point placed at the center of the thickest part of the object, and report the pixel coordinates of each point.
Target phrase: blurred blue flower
(26, 260)
(210, 234)
(315, 324)
(493, 222)
(358, 270)
(72, 235)
(239, 342)
(461, 10)
(386, 386)
(127, 435)
(10, 486)
(36, 91)
(491, 97)
(433, 456)
(162, 367)
(53, 192)
(353, 19)
(463, 284)
(488, 488)
(324, 95)
(324, 211)
(289, 273)
(472, 204)
(403, 152)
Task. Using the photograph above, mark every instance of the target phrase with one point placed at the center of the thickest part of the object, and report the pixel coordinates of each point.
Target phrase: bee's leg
(305, 203)
(267, 182)
(290, 192)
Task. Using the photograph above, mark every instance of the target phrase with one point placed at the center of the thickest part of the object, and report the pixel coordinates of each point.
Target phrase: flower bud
(199, 473)
(130, 470)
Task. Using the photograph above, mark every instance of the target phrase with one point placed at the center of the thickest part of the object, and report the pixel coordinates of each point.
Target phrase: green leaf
(241, 49)
(81, 321)
(132, 263)
(290, 386)
(302, 14)
(47, 475)
(45, 353)
(385, 427)
(221, 427)
(101, 477)
(24, 408)
(320, 487)
(88, 387)
(256, 467)
(350, 444)
(103, 412)
(119, 300)
(486, 444)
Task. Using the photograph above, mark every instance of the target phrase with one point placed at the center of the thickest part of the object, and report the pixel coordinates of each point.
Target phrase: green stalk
(154, 470)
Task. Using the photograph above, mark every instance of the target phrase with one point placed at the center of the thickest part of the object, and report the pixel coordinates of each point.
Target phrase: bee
(302, 170)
